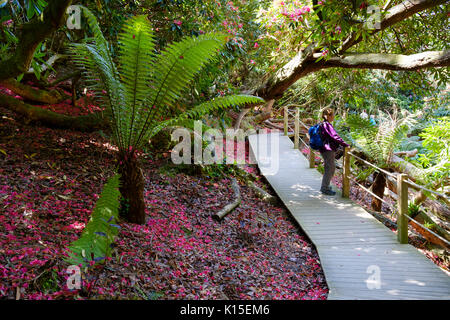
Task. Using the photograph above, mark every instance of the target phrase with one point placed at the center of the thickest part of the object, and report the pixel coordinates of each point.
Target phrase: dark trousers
(330, 167)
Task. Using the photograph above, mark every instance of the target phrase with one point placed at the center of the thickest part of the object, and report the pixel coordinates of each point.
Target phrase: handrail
(374, 166)
(304, 125)
(402, 182)
(373, 194)
(412, 184)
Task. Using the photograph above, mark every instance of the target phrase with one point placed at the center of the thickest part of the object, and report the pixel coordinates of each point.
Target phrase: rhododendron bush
(291, 26)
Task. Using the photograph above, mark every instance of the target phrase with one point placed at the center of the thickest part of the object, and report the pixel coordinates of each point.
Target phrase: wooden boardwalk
(361, 258)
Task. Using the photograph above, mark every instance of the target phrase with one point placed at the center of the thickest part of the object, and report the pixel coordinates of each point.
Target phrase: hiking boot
(328, 192)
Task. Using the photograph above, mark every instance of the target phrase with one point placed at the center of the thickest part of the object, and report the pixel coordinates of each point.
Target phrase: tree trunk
(132, 187)
(29, 93)
(32, 34)
(87, 123)
(378, 189)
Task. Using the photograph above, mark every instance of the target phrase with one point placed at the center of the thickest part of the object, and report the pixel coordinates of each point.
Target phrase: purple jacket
(331, 140)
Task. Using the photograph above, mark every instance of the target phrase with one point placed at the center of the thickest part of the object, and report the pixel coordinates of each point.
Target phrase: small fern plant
(94, 244)
(141, 93)
(378, 144)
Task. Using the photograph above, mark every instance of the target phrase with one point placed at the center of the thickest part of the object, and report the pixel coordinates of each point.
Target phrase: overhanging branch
(386, 61)
(307, 64)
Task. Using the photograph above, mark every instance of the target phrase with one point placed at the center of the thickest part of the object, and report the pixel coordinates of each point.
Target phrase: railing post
(286, 120)
(296, 128)
(402, 203)
(346, 173)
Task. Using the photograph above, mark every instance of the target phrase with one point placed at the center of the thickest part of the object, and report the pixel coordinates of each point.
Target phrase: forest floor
(49, 182)
(435, 253)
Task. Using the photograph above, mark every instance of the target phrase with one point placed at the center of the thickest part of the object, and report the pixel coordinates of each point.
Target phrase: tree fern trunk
(132, 188)
(378, 188)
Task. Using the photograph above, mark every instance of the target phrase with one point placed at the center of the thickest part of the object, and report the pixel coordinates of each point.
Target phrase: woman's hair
(326, 112)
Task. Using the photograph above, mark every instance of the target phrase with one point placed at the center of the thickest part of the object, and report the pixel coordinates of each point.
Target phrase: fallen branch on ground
(32, 94)
(261, 193)
(249, 178)
(231, 206)
(87, 123)
(409, 154)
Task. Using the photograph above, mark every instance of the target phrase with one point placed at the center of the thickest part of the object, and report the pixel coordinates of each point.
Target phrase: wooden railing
(403, 183)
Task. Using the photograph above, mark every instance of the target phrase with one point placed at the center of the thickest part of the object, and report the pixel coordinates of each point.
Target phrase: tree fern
(144, 90)
(379, 142)
(94, 244)
(141, 94)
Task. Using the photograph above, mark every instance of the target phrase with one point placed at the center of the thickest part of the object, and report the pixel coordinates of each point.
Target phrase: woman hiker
(331, 141)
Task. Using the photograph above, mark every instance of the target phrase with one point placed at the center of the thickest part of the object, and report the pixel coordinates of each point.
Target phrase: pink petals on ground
(256, 252)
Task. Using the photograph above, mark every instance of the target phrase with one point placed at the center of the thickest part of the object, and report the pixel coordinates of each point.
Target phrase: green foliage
(413, 210)
(363, 174)
(436, 159)
(13, 13)
(94, 244)
(321, 168)
(48, 281)
(411, 143)
(378, 142)
(436, 139)
(21, 10)
(142, 94)
(219, 170)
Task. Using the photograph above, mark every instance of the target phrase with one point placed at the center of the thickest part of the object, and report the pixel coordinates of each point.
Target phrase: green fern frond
(95, 241)
(93, 58)
(98, 38)
(379, 142)
(100, 76)
(136, 69)
(219, 103)
(178, 64)
(175, 69)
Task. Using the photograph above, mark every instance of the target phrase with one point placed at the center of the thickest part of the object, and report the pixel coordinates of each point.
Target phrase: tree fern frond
(379, 142)
(95, 241)
(99, 40)
(176, 67)
(101, 77)
(219, 103)
(136, 45)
